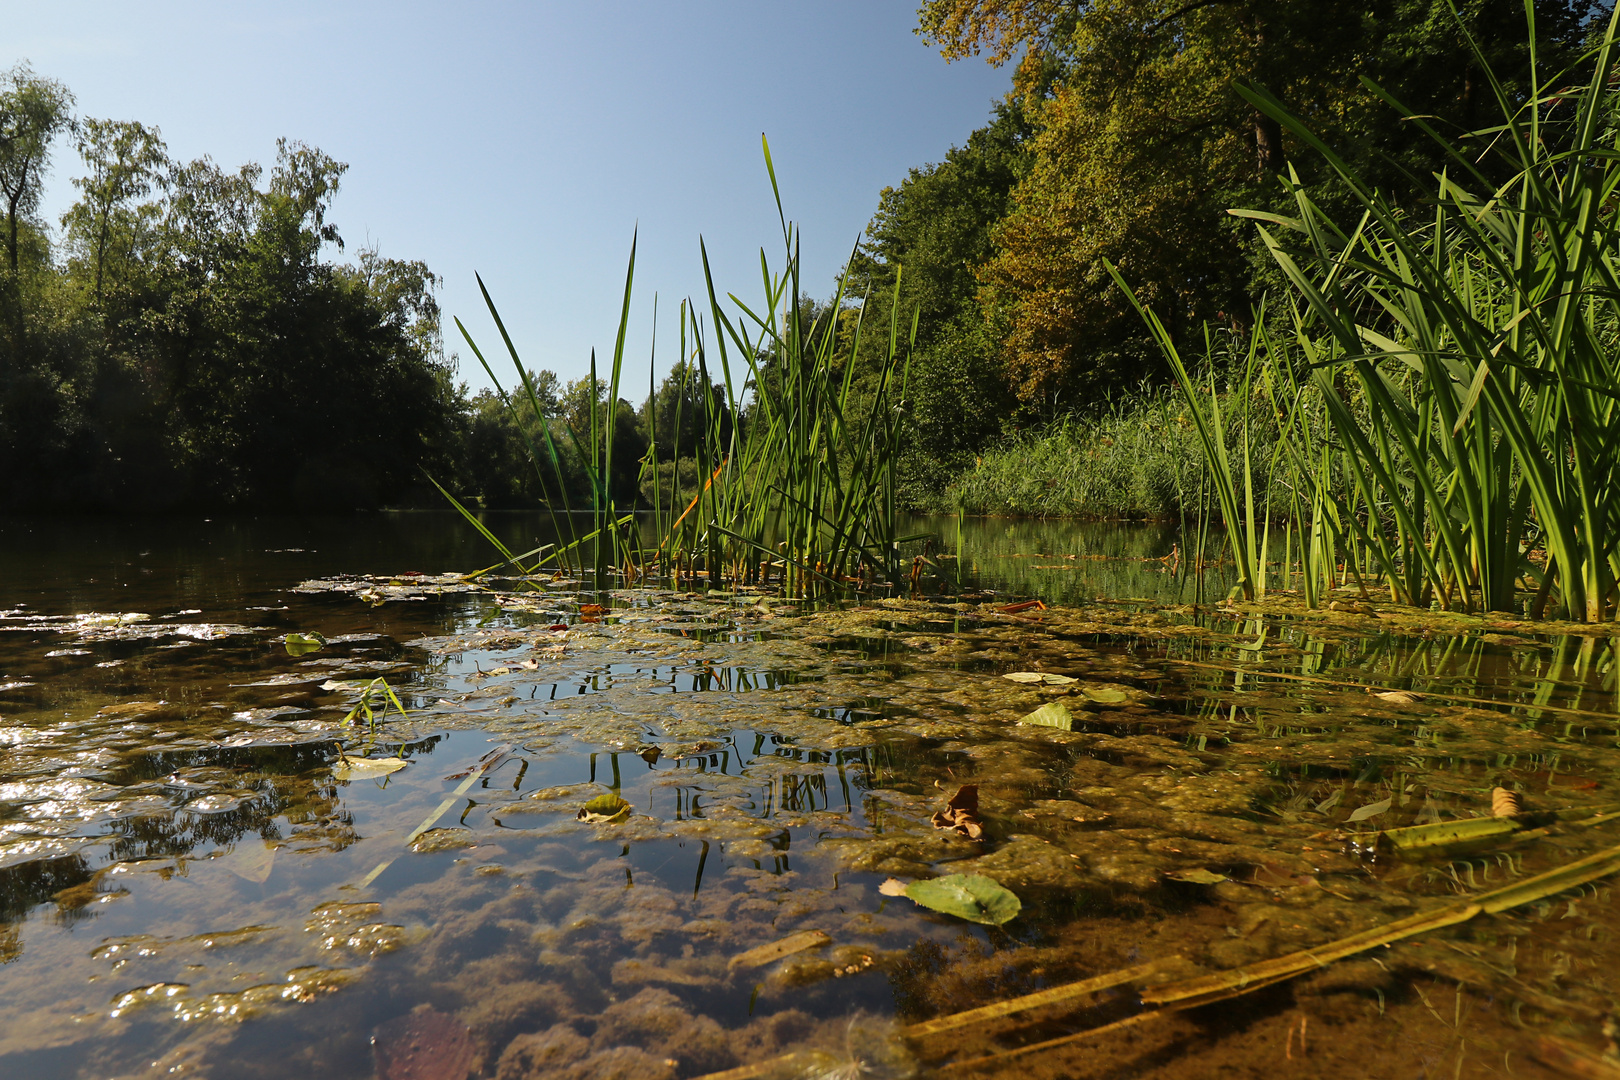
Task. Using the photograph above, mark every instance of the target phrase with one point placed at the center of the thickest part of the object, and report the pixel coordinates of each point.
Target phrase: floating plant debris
(604, 808)
(973, 897)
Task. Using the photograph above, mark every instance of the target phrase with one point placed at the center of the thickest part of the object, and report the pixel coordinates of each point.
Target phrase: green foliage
(188, 342)
(1124, 141)
(1457, 365)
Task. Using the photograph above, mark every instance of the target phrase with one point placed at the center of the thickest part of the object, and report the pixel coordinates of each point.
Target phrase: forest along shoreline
(1191, 789)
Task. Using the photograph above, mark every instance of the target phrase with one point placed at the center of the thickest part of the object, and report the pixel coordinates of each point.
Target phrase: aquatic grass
(798, 467)
(1459, 365)
(801, 481)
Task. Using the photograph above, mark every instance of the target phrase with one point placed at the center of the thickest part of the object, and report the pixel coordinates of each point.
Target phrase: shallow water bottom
(190, 887)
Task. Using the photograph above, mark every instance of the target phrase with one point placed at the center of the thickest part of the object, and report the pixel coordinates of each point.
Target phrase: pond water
(206, 872)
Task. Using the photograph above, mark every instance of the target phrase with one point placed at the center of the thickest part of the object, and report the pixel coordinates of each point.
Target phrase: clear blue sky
(527, 141)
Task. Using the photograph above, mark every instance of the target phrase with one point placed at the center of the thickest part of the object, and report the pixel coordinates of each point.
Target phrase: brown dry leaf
(961, 813)
(1397, 697)
(768, 954)
(893, 887)
(1505, 803)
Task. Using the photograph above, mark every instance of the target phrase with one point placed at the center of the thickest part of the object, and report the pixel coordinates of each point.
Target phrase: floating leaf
(961, 813)
(604, 808)
(967, 896)
(769, 954)
(251, 860)
(1105, 695)
(1396, 697)
(299, 644)
(1372, 809)
(361, 768)
(1033, 677)
(1198, 876)
(893, 887)
(1052, 715)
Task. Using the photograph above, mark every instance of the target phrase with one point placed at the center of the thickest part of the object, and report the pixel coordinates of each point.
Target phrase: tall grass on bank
(794, 483)
(1139, 459)
(1458, 367)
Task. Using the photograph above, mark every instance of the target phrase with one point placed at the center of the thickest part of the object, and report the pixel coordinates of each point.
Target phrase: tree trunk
(1268, 149)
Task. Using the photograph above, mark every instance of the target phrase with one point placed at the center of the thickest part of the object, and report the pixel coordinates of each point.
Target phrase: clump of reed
(801, 483)
(1455, 371)
(795, 471)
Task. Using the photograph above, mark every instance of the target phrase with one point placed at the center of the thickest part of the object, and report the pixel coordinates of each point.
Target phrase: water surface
(190, 886)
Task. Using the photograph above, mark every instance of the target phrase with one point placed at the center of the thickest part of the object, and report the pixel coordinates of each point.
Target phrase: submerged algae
(777, 769)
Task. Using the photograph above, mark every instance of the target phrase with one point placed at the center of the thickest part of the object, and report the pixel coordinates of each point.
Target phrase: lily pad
(967, 896)
(1052, 715)
(299, 644)
(360, 768)
(604, 808)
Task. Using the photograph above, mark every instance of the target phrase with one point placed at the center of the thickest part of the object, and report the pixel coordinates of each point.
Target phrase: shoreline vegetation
(1353, 284)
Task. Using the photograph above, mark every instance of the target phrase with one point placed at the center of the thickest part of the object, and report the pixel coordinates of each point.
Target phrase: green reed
(1454, 373)
(795, 462)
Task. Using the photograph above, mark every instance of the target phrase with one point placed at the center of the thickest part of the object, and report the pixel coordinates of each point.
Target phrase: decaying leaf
(1033, 677)
(1396, 697)
(1362, 813)
(1105, 695)
(961, 813)
(424, 1045)
(1198, 876)
(893, 887)
(604, 808)
(1505, 803)
(967, 896)
(251, 859)
(1052, 715)
(360, 768)
(776, 950)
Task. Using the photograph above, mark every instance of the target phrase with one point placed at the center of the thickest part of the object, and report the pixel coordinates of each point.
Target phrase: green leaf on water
(1105, 695)
(360, 768)
(1198, 876)
(604, 808)
(1052, 715)
(967, 896)
(299, 644)
(1372, 810)
(1023, 676)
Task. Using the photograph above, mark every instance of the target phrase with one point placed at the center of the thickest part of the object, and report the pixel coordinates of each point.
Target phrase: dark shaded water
(193, 882)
